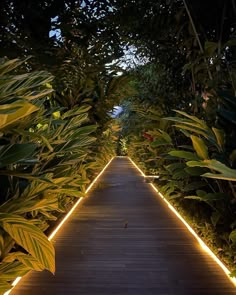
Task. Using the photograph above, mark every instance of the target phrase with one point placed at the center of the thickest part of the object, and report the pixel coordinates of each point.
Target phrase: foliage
(193, 165)
(44, 157)
(181, 122)
(47, 153)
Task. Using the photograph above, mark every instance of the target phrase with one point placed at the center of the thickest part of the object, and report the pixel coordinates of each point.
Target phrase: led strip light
(200, 241)
(17, 280)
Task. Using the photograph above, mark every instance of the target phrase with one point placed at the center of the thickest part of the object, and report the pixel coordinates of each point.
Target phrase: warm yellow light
(200, 241)
(137, 167)
(64, 219)
(9, 291)
(90, 186)
(77, 203)
(16, 281)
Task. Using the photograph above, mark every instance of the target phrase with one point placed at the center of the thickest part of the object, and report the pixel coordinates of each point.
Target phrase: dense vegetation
(58, 83)
(181, 123)
(49, 154)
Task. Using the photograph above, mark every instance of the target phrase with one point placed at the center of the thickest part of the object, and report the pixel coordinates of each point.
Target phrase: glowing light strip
(200, 241)
(17, 280)
(90, 186)
(137, 167)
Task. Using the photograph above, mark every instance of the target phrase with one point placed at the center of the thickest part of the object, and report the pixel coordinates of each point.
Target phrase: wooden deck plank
(155, 254)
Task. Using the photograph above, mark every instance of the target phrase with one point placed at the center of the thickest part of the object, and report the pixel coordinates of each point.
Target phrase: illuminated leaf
(23, 109)
(30, 238)
(25, 259)
(200, 147)
(225, 172)
(220, 137)
(4, 286)
(9, 271)
(184, 155)
(13, 153)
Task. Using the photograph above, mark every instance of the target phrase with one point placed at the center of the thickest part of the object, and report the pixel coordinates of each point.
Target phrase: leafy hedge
(47, 158)
(196, 169)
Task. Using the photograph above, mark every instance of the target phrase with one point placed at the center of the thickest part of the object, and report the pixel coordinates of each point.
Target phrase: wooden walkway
(155, 254)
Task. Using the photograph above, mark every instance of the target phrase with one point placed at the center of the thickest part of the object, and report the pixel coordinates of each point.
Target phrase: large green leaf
(22, 109)
(74, 112)
(25, 259)
(9, 65)
(75, 123)
(68, 191)
(14, 153)
(8, 109)
(192, 128)
(4, 286)
(225, 172)
(160, 142)
(21, 85)
(25, 175)
(208, 197)
(165, 135)
(10, 270)
(79, 143)
(194, 125)
(84, 131)
(220, 137)
(200, 147)
(184, 155)
(36, 137)
(181, 174)
(30, 238)
(194, 185)
(175, 167)
(192, 118)
(30, 203)
(195, 171)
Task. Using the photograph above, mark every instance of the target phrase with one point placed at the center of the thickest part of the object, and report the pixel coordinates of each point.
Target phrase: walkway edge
(190, 229)
(51, 236)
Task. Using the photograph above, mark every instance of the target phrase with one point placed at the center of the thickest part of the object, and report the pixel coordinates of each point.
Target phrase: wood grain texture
(123, 239)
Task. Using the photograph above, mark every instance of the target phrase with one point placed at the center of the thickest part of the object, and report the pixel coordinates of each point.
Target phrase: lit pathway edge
(17, 280)
(202, 244)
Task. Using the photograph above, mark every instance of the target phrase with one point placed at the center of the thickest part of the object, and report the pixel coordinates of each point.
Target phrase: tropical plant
(44, 155)
(192, 166)
(187, 64)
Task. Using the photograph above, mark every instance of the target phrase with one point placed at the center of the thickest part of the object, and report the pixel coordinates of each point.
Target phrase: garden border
(190, 229)
(55, 231)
